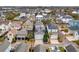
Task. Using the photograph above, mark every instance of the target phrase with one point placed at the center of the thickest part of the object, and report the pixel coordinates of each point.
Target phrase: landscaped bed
(62, 49)
(1, 38)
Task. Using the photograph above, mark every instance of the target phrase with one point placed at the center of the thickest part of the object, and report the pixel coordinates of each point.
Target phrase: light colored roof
(23, 31)
(39, 16)
(13, 31)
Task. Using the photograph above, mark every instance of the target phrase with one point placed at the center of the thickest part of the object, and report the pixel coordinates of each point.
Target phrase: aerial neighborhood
(39, 29)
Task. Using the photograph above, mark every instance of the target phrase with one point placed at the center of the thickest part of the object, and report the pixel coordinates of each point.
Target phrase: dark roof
(70, 48)
(52, 26)
(74, 28)
(67, 16)
(39, 48)
(23, 18)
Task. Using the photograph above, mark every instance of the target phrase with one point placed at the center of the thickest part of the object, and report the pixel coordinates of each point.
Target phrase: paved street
(4, 46)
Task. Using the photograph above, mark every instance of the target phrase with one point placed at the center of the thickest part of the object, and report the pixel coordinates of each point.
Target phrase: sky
(39, 2)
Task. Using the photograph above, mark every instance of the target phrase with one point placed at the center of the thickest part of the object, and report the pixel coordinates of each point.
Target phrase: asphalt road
(4, 46)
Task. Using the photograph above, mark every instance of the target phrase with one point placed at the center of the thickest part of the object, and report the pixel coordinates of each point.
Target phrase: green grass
(76, 41)
(1, 39)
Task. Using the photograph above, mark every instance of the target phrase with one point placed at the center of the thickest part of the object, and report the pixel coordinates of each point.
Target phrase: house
(46, 17)
(21, 34)
(15, 24)
(66, 18)
(2, 15)
(76, 11)
(74, 28)
(73, 23)
(22, 15)
(28, 25)
(11, 34)
(76, 35)
(39, 30)
(53, 31)
(39, 17)
(47, 10)
(3, 27)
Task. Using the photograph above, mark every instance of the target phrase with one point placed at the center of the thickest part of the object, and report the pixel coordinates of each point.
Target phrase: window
(22, 38)
(18, 38)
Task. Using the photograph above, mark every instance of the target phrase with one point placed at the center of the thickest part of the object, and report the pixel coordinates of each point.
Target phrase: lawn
(76, 41)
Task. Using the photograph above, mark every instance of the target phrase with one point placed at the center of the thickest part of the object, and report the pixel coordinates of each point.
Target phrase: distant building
(39, 17)
(22, 15)
(75, 11)
(66, 18)
(74, 28)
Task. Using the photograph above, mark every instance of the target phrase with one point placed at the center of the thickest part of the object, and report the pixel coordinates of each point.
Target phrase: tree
(45, 22)
(46, 36)
(11, 15)
(75, 16)
(14, 40)
(30, 35)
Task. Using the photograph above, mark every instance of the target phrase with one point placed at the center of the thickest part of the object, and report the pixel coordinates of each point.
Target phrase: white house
(75, 12)
(22, 14)
(53, 31)
(39, 17)
(47, 10)
(39, 30)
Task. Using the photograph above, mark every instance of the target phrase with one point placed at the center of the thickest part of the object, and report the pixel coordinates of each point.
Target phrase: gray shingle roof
(22, 48)
(39, 48)
(4, 46)
(70, 48)
(74, 28)
(23, 31)
(52, 26)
